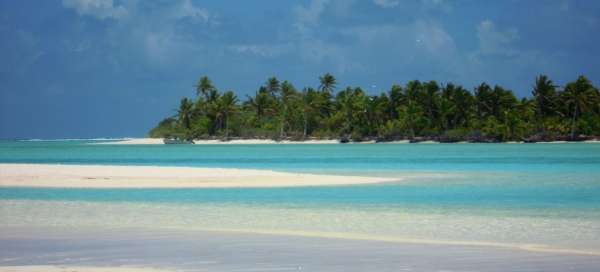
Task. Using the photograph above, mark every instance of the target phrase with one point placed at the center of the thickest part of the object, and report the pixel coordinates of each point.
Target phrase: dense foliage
(416, 111)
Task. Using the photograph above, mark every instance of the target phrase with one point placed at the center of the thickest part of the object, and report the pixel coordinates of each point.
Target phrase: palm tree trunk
(226, 127)
(305, 125)
(282, 122)
(573, 122)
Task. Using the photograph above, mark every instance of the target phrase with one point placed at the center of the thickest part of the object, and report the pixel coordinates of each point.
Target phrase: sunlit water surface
(523, 195)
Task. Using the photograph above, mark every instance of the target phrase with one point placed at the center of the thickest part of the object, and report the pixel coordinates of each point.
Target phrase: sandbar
(105, 176)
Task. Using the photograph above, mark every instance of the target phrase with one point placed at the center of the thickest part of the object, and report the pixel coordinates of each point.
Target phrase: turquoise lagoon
(531, 196)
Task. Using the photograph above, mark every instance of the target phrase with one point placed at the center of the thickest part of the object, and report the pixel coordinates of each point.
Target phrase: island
(416, 112)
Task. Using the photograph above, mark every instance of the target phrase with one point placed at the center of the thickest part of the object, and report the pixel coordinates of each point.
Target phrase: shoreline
(229, 251)
(159, 141)
(77, 268)
(322, 235)
(539, 248)
(105, 176)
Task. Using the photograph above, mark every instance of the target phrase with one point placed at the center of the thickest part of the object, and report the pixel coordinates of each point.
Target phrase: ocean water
(528, 196)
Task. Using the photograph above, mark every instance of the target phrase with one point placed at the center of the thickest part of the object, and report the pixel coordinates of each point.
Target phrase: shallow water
(222, 251)
(496, 194)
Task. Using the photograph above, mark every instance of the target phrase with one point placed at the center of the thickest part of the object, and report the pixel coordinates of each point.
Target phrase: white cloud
(309, 16)
(427, 36)
(387, 3)
(100, 9)
(433, 2)
(161, 33)
(186, 9)
(434, 38)
(493, 41)
(423, 4)
(261, 50)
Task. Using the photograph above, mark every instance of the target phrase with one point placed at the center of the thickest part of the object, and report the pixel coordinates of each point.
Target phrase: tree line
(416, 111)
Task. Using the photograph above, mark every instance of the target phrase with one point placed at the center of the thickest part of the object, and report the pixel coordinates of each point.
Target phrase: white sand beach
(159, 141)
(99, 176)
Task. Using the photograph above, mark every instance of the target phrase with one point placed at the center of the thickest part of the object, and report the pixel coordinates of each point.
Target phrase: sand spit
(101, 176)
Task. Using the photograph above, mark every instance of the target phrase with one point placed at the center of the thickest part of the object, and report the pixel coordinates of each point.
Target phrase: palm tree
(212, 109)
(412, 90)
(273, 86)
(502, 100)
(463, 106)
(578, 96)
(310, 104)
(260, 102)
(204, 87)
(185, 114)
(227, 107)
(447, 110)
(345, 105)
(484, 101)
(288, 92)
(416, 109)
(396, 97)
(512, 125)
(377, 112)
(544, 94)
(411, 115)
(328, 83)
(430, 100)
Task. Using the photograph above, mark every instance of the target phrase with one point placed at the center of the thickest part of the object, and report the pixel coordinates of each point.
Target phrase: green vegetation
(417, 111)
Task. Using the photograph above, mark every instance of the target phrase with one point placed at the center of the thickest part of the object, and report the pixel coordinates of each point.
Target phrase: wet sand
(219, 251)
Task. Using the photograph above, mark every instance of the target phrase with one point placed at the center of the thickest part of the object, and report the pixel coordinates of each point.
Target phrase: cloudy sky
(109, 68)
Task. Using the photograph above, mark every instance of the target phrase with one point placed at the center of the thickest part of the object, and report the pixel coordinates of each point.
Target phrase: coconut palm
(227, 107)
(288, 93)
(204, 87)
(411, 115)
(184, 114)
(377, 112)
(273, 86)
(310, 105)
(327, 83)
(578, 96)
(544, 95)
(396, 98)
(412, 90)
(430, 101)
(260, 102)
(416, 109)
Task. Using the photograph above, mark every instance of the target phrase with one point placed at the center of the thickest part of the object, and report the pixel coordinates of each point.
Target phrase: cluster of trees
(416, 111)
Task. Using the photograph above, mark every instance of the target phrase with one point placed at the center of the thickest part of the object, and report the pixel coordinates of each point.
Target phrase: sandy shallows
(52, 268)
(97, 176)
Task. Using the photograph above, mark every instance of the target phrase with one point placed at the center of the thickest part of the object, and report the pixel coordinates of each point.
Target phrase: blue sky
(103, 68)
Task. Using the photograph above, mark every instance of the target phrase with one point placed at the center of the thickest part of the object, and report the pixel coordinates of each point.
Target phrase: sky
(110, 68)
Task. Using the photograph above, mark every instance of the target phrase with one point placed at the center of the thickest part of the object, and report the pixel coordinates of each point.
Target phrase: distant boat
(177, 141)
